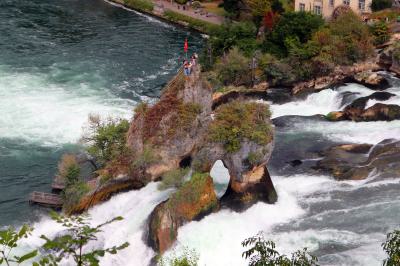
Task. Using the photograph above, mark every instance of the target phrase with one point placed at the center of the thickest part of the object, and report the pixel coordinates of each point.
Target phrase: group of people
(188, 64)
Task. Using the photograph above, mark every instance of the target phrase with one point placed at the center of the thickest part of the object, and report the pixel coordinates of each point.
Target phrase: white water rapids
(317, 212)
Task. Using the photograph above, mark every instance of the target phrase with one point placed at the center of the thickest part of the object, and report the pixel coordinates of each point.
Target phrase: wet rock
(359, 161)
(339, 75)
(356, 110)
(372, 80)
(295, 163)
(255, 186)
(195, 199)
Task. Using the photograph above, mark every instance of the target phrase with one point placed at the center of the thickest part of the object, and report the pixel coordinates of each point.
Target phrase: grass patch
(200, 25)
(142, 5)
(173, 178)
(238, 121)
(189, 200)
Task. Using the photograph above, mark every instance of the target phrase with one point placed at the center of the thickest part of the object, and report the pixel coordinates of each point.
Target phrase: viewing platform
(46, 199)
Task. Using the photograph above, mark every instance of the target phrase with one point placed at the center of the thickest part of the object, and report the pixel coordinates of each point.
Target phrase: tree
(234, 69)
(9, 239)
(377, 5)
(73, 243)
(106, 138)
(350, 39)
(380, 30)
(263, 253)
(299, 26)
(392, 249)
(239, 34)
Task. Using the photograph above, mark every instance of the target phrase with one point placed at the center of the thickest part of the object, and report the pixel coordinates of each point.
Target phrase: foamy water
(35, 109)
(322, 102)
(344, 222)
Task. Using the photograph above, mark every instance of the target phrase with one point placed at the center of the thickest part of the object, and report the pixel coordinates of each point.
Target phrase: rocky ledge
(359, 161)
(357, 111)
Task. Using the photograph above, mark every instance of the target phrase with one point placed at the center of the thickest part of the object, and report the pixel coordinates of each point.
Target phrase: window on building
(332, 2)
(317, 10)
(302, 7)
(346, 2)
(361, 5)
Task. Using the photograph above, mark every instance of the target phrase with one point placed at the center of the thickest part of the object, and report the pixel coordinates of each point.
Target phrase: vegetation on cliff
(239, 121)
(106, 138)
(297, 46)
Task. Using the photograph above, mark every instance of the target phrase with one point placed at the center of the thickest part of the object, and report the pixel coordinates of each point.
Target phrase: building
(326, 7)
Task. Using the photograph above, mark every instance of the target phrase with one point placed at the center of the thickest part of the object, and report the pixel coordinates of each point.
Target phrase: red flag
(186, 46)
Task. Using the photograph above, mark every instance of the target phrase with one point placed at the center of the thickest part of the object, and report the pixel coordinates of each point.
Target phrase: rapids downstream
(57, 65)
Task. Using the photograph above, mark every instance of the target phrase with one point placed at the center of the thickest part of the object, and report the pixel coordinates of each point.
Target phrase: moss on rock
(237, 121)
(193, 200)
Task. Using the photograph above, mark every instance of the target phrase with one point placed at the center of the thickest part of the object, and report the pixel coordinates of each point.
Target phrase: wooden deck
(46, 199)
(58, 183)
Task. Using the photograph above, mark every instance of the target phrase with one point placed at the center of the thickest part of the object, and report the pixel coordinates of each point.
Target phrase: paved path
(169, 5)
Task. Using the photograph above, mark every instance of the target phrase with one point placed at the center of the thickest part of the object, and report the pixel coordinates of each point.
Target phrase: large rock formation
(359, 161)
(192, 201)
(182, 130)
(356, 110)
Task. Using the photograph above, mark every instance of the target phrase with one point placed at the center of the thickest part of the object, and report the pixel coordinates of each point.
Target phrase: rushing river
(61, 60)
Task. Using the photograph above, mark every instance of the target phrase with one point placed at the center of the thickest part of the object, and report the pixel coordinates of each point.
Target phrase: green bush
(380, 31)
(237, 121)
(234, 69)
(69, 169)
(378, 5)
(298, 26)
(173, 178)
(143, 5)
(239, 34)
(106, 139)
(349, 39)
(277, 72)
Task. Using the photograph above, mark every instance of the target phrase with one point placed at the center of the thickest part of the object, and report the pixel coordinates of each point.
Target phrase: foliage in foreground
(9, 239)
(71, 244)
(263, 253)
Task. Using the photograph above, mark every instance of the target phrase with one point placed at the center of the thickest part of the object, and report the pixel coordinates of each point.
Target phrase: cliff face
(182, 130)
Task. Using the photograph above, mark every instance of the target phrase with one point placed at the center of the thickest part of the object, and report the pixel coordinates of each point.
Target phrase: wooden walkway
(46, 199)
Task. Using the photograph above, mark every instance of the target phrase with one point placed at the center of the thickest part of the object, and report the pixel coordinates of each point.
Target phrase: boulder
(359, 161)
(340, 75)
(371, 80)
(356, 110)
(195, 199)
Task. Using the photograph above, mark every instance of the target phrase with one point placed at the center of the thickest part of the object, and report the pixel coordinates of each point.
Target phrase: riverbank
(170, 13)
